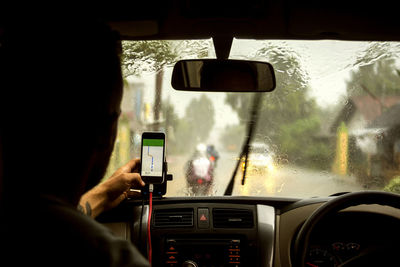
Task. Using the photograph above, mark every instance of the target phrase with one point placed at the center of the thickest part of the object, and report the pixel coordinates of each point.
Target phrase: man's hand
(113, 191)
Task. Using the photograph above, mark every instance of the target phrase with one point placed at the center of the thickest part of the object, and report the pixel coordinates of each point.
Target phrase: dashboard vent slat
(173, 218)
(233, 218)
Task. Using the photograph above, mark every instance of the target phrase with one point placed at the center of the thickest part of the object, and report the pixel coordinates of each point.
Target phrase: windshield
(331, 125)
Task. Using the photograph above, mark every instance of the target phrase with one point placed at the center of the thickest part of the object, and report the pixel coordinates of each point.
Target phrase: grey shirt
(54, 233)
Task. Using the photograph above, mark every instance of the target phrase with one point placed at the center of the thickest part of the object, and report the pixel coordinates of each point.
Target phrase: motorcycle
(200, 173)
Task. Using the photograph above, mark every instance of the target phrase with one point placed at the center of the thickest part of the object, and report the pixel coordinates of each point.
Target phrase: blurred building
(389, 146)
(359, 111)
(373, 130)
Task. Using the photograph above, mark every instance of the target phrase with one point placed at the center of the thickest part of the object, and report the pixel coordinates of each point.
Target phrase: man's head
(61, 104)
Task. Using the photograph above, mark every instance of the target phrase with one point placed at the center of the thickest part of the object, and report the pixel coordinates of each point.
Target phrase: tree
(169, 114)
(380, 78)
(171, 120)
(147, 56)
(287, 118)
(152, 56)
(200, 116)
(183, 137)
(289, 101)
(195, 127)
(232, 137)
(376, 74)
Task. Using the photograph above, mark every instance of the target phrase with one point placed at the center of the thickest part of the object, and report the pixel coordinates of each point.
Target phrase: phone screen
(152, 157)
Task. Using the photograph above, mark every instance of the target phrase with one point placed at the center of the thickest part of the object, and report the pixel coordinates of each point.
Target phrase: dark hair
(59, 80)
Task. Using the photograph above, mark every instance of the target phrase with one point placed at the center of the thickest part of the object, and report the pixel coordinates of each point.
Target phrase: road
(286, 180)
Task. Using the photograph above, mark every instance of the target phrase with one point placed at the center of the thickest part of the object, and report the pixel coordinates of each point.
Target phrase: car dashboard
(248, 231)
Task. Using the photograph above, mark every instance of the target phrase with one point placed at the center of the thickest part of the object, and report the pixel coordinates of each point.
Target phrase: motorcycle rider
(212, 154)
(199, 171)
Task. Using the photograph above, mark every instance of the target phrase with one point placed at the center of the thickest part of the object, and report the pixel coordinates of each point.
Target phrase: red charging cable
(149, 220)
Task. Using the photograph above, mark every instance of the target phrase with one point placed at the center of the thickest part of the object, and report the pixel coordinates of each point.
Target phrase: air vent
(233, 218)
(173, 218)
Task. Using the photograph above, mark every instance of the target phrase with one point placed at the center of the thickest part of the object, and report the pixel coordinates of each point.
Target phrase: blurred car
(260, 159)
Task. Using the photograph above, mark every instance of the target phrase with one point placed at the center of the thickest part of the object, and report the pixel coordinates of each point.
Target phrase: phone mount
(159, 190)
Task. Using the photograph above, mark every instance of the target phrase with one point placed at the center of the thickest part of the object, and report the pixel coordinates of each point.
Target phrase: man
(60, 101)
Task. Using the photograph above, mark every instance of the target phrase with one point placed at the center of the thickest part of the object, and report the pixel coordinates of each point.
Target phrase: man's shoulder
(99, 244)
(59, 231)
(57, 213)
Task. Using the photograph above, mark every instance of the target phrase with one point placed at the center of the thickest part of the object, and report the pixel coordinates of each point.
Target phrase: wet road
(286, 180)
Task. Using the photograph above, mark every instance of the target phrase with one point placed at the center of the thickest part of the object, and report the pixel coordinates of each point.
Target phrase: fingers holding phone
(152, 157)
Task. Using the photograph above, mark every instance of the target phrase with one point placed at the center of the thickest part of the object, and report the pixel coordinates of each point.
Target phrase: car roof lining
(255, 19)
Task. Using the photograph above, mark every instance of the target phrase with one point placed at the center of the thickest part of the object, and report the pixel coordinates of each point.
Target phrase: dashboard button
(203, 219)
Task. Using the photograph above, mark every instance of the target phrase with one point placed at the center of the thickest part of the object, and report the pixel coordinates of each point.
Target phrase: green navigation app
(152, 157)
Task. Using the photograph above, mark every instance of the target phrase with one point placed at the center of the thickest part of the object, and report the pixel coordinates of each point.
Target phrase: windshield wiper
(245, 149)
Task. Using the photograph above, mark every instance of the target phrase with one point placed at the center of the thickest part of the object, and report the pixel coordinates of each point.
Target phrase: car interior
(345, 228)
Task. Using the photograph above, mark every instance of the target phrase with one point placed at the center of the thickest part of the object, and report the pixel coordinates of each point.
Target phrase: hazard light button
(203, 218)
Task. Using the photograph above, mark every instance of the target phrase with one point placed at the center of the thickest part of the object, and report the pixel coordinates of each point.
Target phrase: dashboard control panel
(203, 252)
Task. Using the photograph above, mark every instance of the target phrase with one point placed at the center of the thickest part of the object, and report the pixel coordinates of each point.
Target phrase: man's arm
(113, 191)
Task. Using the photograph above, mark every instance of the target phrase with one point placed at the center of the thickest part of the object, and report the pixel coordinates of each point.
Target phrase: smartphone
(152, 157)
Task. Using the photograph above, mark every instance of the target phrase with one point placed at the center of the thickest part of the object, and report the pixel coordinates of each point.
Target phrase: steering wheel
(332, 207)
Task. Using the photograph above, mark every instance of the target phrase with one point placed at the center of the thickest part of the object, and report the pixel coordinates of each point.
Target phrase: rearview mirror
(223, 76)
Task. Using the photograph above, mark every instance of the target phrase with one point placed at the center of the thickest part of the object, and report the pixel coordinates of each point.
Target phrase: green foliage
(289, 101)
(376, 72)
(200, 115)
(192, 49)
(374, 52)
(232, 137)
(152, 56)
(169, 114)
(380, 78)
(170, 118)
(148, 56)
(393, 186)
(195, 127)
(288, 117)
(298, 138)
(295, 136)
(182, 139)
